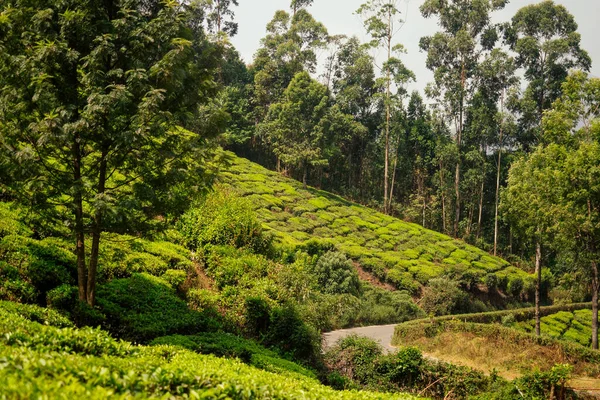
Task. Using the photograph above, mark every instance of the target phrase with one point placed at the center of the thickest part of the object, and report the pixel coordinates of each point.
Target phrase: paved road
(382, 333)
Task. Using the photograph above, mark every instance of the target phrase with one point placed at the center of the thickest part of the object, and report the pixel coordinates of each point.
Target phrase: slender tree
(453, 54)
(382, 22)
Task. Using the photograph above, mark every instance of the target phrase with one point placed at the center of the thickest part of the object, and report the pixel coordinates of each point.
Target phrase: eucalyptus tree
(297, 5)
(382, 22)
(530, 202)
(453, 54)
(302, 124)
(220, 17)
(92, 95)
(354, 89)
(497, 76)
(547, 44)
(289, 48)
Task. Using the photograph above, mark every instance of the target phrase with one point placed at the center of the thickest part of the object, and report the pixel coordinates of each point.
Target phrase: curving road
(381, 333)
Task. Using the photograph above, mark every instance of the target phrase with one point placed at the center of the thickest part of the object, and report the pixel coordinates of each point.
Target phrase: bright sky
(338, 16)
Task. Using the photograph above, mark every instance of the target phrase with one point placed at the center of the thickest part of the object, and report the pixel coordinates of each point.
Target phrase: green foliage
(229, 346)
(336, 274)
(44, 361)
(222, 218)
(34, 267)
(291, 335)
(174, 277)
(443, 297)
(403, 254)
(35, 313)
(21, 330)
(143, 307)
(361, 361)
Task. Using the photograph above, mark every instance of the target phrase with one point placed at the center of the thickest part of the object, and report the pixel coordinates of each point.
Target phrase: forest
(178, 222)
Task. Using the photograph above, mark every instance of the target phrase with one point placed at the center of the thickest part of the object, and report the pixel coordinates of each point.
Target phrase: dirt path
(381, 333)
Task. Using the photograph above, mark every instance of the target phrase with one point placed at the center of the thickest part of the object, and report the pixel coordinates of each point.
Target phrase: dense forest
(178, 223)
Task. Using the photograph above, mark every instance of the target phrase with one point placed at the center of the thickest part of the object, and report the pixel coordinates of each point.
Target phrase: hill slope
(403, 254)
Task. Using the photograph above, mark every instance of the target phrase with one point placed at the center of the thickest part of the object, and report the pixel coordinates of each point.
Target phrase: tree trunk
(457, 193)
(79, 227)
(595, 305)
(96, 233)
(538, 284)
(443, 197)
(305, 174)
(387, 122)
(501, 138)
(480, 218)
(458, 146)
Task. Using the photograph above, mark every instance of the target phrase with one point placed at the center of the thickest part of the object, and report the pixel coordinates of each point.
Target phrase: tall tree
(547, 44)
(355, 90)
(91, 96)
(297, 5)
(382, 22)
(299, 124)
(220, 16)
(572, 127)
(453, 54)
(289, 48)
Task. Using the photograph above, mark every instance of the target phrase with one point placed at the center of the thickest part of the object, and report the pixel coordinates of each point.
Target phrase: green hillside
(403, 254)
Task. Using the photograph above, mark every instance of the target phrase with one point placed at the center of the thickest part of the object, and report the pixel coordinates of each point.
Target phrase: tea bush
(144, 307)
(230, 346)
(336, 274)
(223, 219)
(42, 361)
(403, 254)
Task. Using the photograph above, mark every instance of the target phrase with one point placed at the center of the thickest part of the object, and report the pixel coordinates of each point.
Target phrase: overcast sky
(338, 16)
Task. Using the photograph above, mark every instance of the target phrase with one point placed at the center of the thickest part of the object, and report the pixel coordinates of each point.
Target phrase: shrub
(491, 281)
(443, 297)
(174, 277)
(336, 274)
(14, 286)
(291, 335)
(354, 357)
(515, 286)
(257, 316)
(144, 307)
(221, 218)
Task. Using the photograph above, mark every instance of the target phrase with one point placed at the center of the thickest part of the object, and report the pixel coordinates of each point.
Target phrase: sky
(339, 18)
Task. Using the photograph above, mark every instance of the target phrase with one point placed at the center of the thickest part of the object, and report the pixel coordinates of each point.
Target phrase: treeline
(440, 159)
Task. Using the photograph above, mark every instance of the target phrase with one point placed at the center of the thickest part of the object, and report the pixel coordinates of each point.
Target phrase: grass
(403, 254)
(490, 347)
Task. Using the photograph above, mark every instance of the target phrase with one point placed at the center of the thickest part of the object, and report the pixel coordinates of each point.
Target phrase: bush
(491, 281)
(223, 219)
(291, 335)
(230, 346)
(144, 307)
(174, 277)
(336, 274)
(354, 357)
(515, 286)
(14, 286)
(257, 316)
(443, 297)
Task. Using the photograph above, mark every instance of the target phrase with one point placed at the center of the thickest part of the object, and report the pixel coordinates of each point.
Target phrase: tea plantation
(403, 254)
(573, 326)
(42, 356)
